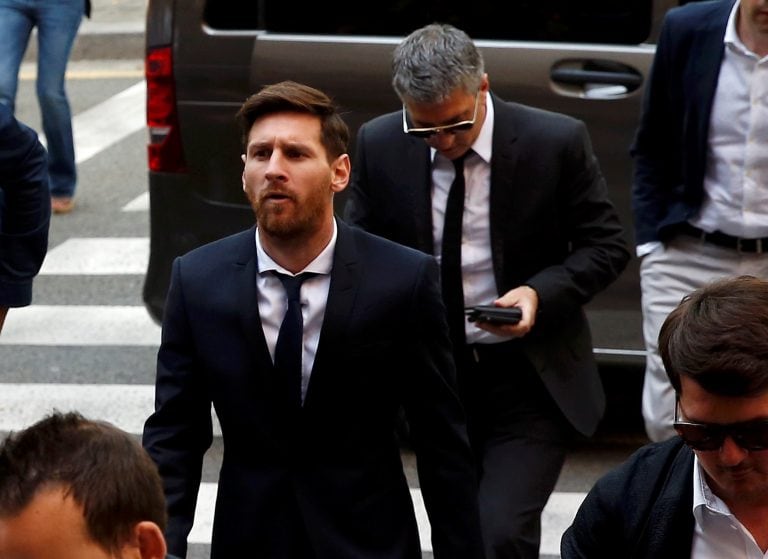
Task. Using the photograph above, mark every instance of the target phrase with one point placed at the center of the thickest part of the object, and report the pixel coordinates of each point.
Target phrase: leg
(57, 28)
(666, 276)
(521, 438)
(519, 475)
(15, 28)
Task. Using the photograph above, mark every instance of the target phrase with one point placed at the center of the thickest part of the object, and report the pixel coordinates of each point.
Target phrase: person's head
(714, 346)
(295, 158)
(439, 75)
(73, 488)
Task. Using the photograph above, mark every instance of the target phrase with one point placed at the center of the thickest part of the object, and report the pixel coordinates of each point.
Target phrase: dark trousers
(520, 438)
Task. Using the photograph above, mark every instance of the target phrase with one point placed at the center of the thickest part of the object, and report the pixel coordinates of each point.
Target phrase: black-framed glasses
(445, 129)
(749, 435)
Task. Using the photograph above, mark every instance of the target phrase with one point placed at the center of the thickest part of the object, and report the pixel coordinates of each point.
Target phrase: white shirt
(718, 534)
(736, 180)
(273, 302)
(736, 177)
(478, 281)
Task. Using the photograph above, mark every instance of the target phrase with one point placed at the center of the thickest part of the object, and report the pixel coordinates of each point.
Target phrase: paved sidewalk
(115, 30)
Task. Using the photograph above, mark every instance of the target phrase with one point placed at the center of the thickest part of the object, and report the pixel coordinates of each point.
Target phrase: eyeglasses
(749, 435)
(446, 129)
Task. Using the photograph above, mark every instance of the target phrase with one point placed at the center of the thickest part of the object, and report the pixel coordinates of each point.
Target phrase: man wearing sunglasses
(532, 228)
(703, 493)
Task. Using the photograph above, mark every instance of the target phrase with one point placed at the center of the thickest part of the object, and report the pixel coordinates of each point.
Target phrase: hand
(524, 297)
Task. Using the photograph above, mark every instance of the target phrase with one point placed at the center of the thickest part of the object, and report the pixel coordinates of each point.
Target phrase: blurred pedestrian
(701, 169)
(57, 24)
(25, 211)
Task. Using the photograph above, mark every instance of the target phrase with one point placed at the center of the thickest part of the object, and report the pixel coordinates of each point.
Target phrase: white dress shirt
(478, 281)
(273, 302)
(718, 534)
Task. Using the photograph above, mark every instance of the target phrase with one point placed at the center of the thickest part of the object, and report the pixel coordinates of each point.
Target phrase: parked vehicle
(585, 58)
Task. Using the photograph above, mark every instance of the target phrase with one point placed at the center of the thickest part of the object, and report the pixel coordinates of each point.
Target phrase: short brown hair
(718, 337)
(289, 96)
(104, 469)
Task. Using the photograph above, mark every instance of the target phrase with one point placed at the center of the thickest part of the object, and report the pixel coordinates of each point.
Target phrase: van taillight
(164, 149)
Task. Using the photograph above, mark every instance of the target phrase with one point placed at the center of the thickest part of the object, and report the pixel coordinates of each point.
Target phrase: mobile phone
(494, 315)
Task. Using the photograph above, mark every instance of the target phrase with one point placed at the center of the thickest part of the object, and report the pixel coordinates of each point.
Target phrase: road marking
(107, 123)
(98, 256)
(138, 204)
(80, 325)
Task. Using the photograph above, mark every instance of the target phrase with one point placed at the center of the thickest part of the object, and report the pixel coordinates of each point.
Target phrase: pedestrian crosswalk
(81, 326)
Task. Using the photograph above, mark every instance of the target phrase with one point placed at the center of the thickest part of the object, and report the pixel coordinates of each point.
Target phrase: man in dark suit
(699, 193)
(25, 211)
(537, 232)
(311, 466)
(703, 493)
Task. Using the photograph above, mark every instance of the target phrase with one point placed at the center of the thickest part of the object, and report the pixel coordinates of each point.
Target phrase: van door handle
(595, 78)
(582, 77)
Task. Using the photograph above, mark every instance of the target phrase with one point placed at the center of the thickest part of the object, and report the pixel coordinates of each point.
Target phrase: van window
(593, 21)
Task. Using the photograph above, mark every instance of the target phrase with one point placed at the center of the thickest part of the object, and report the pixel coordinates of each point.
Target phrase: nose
(442, 140)
(274, 166)
(731, 454)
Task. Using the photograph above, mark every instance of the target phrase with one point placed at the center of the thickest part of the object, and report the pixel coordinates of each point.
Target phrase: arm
(657, 148)
(180, 431)
(446, 468)
(26, 210)
(597, 250)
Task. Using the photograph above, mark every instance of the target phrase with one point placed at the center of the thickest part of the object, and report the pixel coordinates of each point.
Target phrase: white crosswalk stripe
(89, 326)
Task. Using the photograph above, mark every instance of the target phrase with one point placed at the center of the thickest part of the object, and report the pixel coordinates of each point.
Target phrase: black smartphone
(494, 315)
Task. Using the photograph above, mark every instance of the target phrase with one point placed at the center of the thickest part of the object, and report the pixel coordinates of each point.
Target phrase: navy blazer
(329, 472)
(670, 147)
(25, 209)
(640, 510)
(552, 227)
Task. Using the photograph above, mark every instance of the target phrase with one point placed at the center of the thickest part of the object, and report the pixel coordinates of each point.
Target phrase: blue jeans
(57, 22)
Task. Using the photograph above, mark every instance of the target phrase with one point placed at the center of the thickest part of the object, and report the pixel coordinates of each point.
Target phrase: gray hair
(433, 61)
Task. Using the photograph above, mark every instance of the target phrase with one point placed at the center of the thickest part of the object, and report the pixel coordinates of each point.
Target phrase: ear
(151, 540)
(242, 156)
(341, 169)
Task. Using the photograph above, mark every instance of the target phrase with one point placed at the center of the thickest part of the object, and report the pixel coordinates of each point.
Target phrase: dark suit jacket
(25, 209)
(552, 227)
(329, 472)
(670, 147)
(640, 510)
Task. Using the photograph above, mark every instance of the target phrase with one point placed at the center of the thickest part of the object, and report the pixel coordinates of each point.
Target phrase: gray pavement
(115, 30)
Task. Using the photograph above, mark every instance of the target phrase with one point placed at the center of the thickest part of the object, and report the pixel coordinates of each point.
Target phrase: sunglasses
(749, 435)
(446, 129)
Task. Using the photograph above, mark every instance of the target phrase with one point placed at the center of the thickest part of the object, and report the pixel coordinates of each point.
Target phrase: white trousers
(666, 275)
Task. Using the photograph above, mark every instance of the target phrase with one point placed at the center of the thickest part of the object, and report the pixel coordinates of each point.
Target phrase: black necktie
(453, 293)
(289, 346)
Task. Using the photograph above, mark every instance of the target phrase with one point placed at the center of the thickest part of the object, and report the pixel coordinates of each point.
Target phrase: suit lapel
(416, 177)
(341, 297)
(246, 269)
(503, 179)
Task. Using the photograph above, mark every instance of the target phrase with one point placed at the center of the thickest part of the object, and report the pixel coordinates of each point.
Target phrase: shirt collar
(322, 263)
(703, 498)
(731, 38)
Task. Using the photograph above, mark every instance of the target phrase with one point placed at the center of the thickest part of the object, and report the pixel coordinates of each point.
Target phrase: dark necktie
(453, 293)
(289, 346)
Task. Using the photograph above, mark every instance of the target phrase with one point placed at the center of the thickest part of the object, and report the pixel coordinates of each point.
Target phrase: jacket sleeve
(180, 430)
(26, 209)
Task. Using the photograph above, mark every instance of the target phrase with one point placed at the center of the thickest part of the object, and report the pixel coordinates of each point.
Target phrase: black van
(586, 58)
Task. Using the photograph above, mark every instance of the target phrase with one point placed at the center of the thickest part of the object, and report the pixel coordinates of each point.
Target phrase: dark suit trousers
(520, 438)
